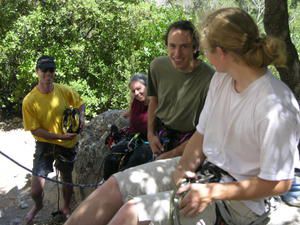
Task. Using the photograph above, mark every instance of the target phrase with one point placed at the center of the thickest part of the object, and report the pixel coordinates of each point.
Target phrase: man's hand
(155, 145)
(68, 136)
(52, 136)
(166, 155)
(178, 151)
(197, 198)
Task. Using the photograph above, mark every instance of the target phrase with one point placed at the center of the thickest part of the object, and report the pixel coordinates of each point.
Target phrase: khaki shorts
(150, 187)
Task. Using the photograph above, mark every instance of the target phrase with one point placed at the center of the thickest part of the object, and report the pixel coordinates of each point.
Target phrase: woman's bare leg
(99, 207)
(127, 215)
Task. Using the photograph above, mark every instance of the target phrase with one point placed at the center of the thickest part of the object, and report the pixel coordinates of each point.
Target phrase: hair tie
(259, 41)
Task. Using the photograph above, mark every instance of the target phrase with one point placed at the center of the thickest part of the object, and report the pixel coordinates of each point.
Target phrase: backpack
(126, 150)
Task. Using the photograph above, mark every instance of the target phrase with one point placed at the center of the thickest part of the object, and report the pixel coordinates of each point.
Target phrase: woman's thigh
(149, 178)
(158, 209)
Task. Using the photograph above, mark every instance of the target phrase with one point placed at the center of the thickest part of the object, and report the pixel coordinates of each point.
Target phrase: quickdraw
(71, 120)
(207, 173)
(210, 173)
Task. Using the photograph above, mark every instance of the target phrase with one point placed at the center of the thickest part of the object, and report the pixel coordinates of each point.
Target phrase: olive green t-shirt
(180, 95)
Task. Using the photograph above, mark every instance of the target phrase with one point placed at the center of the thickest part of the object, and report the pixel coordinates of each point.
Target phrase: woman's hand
(196, 198)
(179, 175)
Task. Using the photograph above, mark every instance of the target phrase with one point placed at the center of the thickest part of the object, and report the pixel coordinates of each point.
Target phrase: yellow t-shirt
(46, 111)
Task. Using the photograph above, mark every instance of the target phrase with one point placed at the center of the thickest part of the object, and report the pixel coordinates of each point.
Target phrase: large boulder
(92, 151)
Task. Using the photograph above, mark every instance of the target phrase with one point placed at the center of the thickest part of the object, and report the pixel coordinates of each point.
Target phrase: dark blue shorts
(46, 154)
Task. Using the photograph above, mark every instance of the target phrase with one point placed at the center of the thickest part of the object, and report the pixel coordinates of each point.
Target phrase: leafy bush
(97, 46)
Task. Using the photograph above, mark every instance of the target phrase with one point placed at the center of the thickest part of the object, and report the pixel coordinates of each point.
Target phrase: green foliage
(97, 44)
(199, 8)
(10, 11)
(294, 12)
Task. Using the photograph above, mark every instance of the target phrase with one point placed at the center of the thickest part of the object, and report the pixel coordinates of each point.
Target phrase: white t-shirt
(253, 133)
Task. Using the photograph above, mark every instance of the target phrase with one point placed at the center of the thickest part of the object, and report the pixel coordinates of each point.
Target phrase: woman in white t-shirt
(249, 126)
(249, 129)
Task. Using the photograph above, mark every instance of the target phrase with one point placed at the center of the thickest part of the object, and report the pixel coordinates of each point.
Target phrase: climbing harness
(120, 152)
(170, 138)
(208, 173)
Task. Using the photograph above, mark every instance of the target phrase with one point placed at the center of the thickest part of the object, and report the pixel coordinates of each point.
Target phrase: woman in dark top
(139, 105)
(137, 115)
(138, 119)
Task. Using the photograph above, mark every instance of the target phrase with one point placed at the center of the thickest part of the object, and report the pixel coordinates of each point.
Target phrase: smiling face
(138, 90)
(46, 79)
(46, 76)
(180, 49)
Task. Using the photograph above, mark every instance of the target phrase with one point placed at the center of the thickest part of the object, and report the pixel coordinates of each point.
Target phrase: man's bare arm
(178, 151)
(155, 144)
(40, 132)
(191, 158)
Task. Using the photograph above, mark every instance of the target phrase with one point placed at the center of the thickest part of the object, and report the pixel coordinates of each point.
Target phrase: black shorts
(46, 153)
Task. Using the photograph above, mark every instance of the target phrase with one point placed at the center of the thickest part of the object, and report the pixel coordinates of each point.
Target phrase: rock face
(92, 150)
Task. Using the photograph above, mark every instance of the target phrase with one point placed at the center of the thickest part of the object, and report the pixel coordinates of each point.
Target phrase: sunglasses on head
(51, 70)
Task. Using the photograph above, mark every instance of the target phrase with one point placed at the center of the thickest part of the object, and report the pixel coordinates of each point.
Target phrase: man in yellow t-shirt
(43, 109)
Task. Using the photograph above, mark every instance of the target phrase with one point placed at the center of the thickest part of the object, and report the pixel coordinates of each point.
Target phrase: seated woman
(120, 159)
(139, 105)
(138, 119)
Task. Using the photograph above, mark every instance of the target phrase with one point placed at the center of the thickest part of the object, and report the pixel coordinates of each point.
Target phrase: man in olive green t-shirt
(178, 84)
(177, 87)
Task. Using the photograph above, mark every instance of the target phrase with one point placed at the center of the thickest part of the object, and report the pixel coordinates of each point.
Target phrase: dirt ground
(15, 200)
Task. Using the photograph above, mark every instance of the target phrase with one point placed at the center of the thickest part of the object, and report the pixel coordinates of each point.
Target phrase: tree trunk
(276, 23)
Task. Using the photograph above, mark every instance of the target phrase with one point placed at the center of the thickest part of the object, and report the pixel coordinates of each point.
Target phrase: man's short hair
(186, 26)
(45, 62)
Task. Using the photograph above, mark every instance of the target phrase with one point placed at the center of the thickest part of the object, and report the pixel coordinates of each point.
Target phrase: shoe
(292, 197)
(59, 216)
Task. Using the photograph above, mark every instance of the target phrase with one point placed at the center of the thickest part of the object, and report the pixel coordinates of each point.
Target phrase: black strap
(170, 138)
